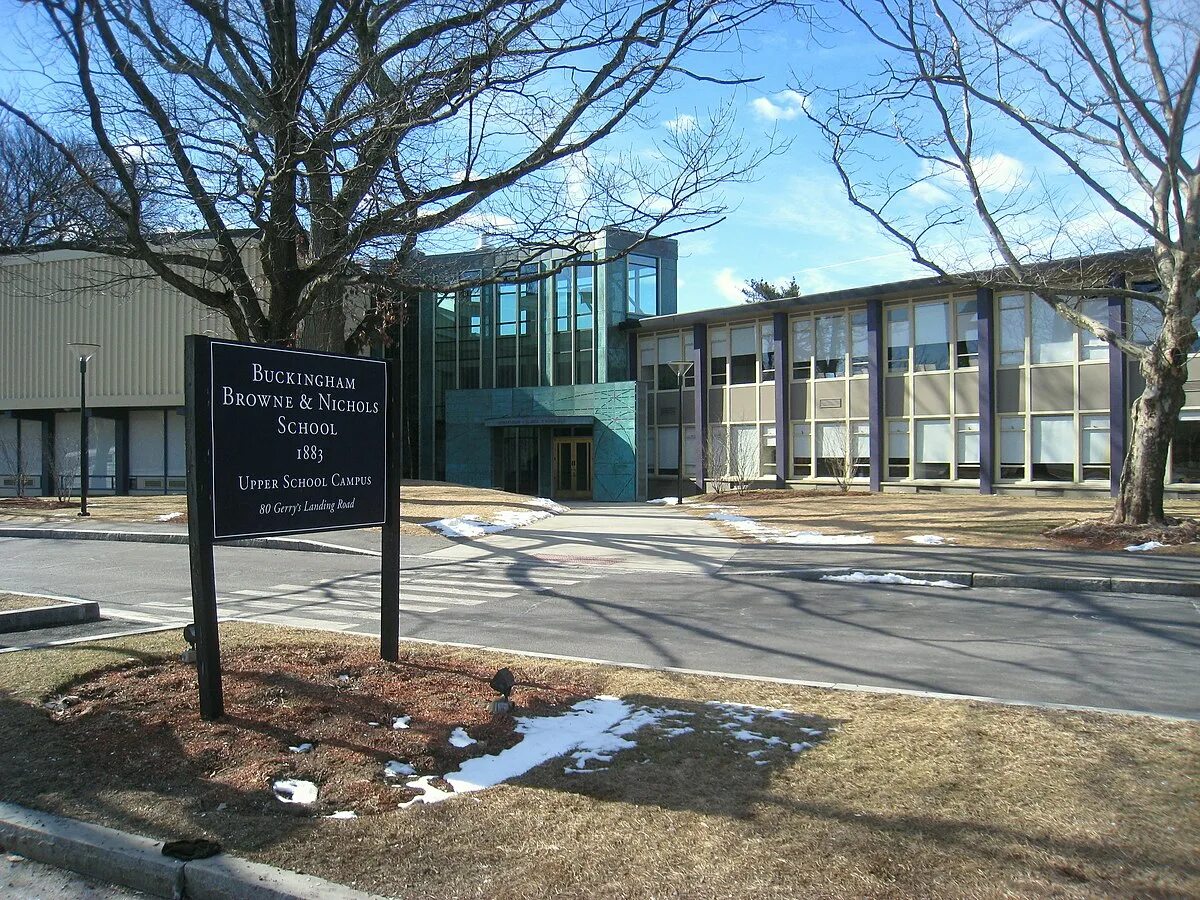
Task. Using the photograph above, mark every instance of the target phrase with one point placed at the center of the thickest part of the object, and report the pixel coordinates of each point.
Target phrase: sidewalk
(653, 538)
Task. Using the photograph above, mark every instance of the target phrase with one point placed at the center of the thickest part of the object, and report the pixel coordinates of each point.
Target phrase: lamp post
(84, 351)
(680, 367)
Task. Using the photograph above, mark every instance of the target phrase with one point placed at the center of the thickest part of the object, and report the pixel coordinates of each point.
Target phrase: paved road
(1104, 649)
(24, 879)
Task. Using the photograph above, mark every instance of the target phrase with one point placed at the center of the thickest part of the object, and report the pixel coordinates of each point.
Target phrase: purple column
(985, 313)
(700, 400)
(875, 375)
(1118, 390)
(783, 380)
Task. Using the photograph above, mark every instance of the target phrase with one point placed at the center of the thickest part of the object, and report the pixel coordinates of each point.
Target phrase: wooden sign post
(286, 442)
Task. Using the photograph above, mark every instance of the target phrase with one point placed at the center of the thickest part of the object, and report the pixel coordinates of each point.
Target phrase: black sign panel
(299, 440)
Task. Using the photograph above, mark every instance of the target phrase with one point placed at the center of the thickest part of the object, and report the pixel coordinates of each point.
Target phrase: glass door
(573, 468)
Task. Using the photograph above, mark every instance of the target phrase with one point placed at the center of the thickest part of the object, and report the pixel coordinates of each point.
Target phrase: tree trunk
(324, 328)
(1140, 495)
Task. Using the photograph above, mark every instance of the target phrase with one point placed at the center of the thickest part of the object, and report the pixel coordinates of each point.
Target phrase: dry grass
(424, 501)
(1000, 520)
(13, 602)
(908, 797)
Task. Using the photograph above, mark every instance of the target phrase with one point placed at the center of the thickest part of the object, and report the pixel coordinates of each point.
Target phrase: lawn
(423, 501)
(887, 796)
(1015, 521)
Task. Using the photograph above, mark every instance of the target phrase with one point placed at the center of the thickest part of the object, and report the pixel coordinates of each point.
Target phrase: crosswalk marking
(353, 602)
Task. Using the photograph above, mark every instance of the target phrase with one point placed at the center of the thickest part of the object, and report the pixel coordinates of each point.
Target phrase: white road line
(441, 586)
(111, 613)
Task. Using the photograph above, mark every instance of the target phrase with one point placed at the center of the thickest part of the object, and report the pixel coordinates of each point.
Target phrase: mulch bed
(141, 724)
(1100, 534)
(35, 503)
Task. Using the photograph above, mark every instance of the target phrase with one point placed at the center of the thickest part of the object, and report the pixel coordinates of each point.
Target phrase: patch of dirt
(38, 503)
(139, 718)
(10, 602)
(1100, 534)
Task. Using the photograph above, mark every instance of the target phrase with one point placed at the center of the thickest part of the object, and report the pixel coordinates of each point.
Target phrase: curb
(137, 862)
(1004, 580)
(169, 537)
(65, 611)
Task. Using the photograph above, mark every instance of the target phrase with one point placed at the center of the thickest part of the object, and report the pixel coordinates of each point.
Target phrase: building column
(699, 401)
(49, 470)
(1118, 390)
(985, 314)
(783, 381)
(876, 370)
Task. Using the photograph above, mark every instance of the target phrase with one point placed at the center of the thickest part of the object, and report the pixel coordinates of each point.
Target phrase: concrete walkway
(612, 535)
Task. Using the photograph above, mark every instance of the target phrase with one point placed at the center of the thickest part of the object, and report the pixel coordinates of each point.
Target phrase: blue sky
(793, 221)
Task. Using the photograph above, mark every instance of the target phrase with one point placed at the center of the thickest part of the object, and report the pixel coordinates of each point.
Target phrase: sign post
(286, 442)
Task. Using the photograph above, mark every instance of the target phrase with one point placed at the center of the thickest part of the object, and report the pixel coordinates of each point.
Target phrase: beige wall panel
(742, 404)
(829, 399)
(1093, 386)
(931, 395)
(966, 393)
(1052, 388)
(798, 400)
(1191, 397)
(1194, 369)
(666, 408)
(60, 297)
(766, 402)
(860, 398)
(716, 405)
(1010, 391)
(895, 396)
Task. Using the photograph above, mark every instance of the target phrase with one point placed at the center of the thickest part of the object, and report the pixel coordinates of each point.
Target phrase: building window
(668, 352)
(767, 351)
(931, 352)
(643, 285)
(1145, 320)
(1012, 448)
(832, 450)
(562, 300)
(717, 359)
(689, 450)
(968, 448)
(858, 343)
(1012, 329)
(668, 450)
(470, 329)
(897, 450)
(689, 353)
(898, 339)
(1185, 449)
(802, 348)
(860, 449)
(647, 363)
(767, 450)
(801, 450)
(506, 335)
(1052, 449)
(528, 364)
(744, 365)
(1090, 346)
(745, 458)
(585, 280)
(1095, 450)
(831, 346)
(1052, 337)
(933, 449)
(967, 322)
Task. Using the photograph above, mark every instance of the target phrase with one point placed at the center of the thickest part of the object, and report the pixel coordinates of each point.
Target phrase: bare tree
(838, 456)
(1103, 96)
(337, 130)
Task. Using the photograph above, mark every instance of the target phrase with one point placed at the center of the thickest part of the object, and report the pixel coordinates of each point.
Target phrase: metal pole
(679, 461)
(83, 437)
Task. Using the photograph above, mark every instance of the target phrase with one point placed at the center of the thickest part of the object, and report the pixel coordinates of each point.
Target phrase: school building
(558, 381)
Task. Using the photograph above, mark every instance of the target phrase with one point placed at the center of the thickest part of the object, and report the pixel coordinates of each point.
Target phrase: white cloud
(784, 105)
(729, 286)
(997, 172)
(682, 122)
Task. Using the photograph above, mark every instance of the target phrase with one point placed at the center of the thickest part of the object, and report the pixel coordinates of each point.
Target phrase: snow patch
(769, 535)
(302, 748)
(293, 790)
(889, 578)
(395, 768)
(168, 517)
(401, 722)
(475, 526)
(930, 539)
(1141, 548)
(665, 501)
(460, 738)
(547, 503)
(342, 814)
(592, 730)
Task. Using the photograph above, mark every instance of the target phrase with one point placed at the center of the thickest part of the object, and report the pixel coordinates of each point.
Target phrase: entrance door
(573, 468)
